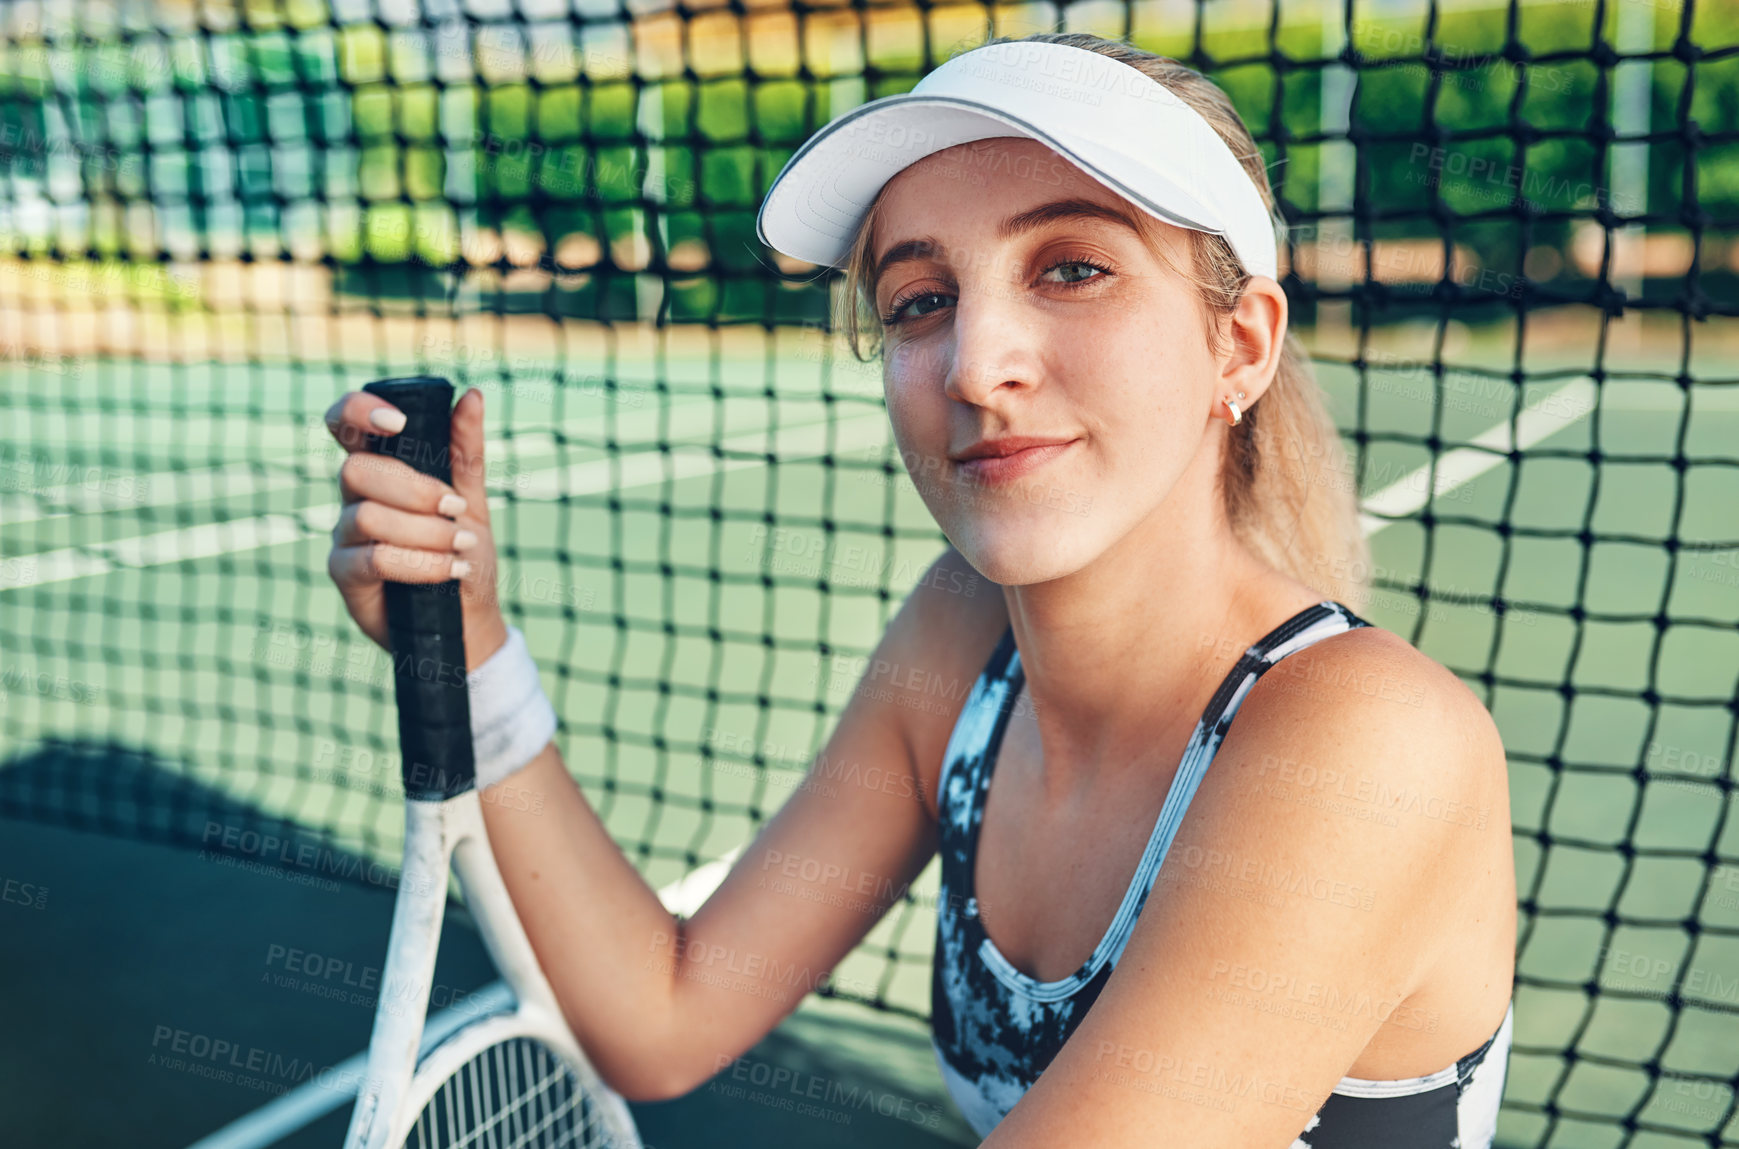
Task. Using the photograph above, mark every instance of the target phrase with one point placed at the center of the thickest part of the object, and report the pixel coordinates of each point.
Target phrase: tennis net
(1513, 251)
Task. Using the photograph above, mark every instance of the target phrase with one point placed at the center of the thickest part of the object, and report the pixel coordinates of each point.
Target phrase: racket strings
(516, 1094)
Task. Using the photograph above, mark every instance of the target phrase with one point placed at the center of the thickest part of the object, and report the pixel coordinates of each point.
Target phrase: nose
(994, 346)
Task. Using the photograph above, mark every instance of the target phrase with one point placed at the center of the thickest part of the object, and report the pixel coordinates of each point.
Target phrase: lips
(1004, 460)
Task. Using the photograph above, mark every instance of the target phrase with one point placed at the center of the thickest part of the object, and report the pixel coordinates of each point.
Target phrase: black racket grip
(425, 621)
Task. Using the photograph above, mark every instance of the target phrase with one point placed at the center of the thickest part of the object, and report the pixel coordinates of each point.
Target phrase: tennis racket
(515, 1076)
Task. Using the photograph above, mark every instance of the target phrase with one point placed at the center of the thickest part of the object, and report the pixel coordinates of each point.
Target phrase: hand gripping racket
(516, 1077)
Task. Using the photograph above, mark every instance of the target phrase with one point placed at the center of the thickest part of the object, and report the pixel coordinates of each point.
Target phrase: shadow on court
(187, 986)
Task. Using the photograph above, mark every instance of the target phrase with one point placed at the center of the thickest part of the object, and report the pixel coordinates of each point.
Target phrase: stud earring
(1237, 412)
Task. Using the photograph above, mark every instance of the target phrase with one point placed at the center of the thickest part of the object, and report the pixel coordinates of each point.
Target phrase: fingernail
(464, 540)
(461, 568)
(451, 505)
(387, 419)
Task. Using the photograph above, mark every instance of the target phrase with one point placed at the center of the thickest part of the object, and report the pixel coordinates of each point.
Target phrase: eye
(899, 305)
(1073, 277)
(1077, 265)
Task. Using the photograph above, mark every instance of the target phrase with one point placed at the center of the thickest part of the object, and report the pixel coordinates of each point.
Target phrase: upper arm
(856, 833)
(1326, 914)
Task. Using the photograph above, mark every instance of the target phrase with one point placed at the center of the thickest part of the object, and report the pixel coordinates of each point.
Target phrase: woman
(1068, 245)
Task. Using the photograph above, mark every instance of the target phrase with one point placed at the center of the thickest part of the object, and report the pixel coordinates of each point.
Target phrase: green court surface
(162, 575)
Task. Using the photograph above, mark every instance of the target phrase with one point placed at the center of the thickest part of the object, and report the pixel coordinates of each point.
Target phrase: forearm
(660, 1005)
(600, 932)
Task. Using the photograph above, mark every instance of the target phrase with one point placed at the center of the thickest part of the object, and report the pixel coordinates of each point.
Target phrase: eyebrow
(1015, 225)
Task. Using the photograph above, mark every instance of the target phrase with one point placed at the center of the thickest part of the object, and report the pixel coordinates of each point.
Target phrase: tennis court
(704, 527)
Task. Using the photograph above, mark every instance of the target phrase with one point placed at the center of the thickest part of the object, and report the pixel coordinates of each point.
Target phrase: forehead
(975, 186)
(1008, 170)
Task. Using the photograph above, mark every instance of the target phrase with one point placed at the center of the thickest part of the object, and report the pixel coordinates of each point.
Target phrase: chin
(1034, 549)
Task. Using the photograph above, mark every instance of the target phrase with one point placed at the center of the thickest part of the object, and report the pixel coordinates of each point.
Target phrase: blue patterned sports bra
(996, 1029)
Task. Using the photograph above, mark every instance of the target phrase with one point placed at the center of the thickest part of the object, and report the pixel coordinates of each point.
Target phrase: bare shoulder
(932, 653)
(1370, 767)
(1365, 726)
(1372, 682)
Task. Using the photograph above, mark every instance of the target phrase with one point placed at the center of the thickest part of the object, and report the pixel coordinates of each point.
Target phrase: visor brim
(818, 199)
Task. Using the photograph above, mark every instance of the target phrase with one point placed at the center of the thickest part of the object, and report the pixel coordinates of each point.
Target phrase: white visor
(1126, 130)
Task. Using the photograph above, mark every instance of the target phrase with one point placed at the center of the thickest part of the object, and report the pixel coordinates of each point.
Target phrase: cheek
(1166, 378)
(916, 403)
(914, 365)
(1155, 418)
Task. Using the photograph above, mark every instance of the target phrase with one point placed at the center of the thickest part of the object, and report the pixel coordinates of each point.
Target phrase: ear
(1255, 336)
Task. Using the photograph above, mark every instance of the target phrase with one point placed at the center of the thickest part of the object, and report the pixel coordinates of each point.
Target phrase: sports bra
(995, 1029)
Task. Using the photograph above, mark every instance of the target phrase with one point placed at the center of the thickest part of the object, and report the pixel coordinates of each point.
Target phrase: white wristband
(511, 717)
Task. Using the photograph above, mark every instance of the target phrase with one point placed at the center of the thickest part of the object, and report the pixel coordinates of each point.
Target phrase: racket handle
(426, 621)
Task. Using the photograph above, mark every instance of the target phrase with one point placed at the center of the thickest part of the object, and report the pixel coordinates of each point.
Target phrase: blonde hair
(1287, 486)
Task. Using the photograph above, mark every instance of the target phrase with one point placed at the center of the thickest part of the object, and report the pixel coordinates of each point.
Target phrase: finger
(367, 521)
(467, 452)
(397, 484)
(357, 415)
(367, 563)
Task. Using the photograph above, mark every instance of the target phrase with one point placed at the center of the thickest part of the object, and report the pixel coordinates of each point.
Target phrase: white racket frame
(395, 1087)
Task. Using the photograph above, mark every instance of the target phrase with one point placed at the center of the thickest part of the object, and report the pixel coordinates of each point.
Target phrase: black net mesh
(1512, 254)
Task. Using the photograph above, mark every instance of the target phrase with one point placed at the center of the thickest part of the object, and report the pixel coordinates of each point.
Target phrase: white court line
(326, 1091)
(635, 468)
(1539, 420)
(100, 489)
(116, 490)
(688, 893)
(638, 468)
(1454, 468)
